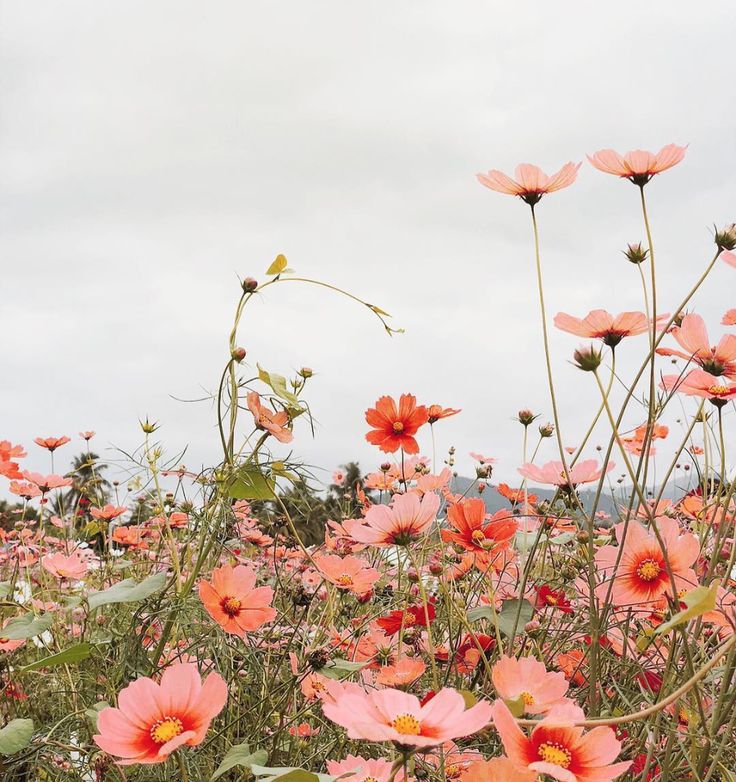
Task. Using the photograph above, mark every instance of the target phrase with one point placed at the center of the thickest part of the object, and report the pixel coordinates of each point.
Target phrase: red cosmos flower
(515, 496)
(468, 517)
(414, 616)
(692, 336)
(436, 412)
(638, 166)
(51, 443)
(395, 428)
(553, 598)
(531, 182)
(471, 650)
(599, 324)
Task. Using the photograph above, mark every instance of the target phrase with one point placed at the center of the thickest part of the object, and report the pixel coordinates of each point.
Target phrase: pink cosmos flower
(531, 182)
(46, 483)
(699, 383)
(600, 324)
(268, 421)
(558, 749)
(349, 573)
(553, 473)
(153, 720)
(233, 602)
(51, 443)
(638, 166)
(397, 524)
(393, 715)
(728, 257)
(6, 645)
(692, 336)
(24, 489)
(402, 672)
(528, 679)
(641, 576)
(729, 318)
(358, 769)
(60, 566)
(108, 513)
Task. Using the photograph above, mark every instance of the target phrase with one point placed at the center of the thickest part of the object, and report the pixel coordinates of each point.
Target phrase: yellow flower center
(407, 724)
(370, 779)
(345, 580)
(478, 535)
(231, 606)
(452, 770)
(554, 753)
(165, 730)
(648, 570)
(718, 390)
(528, 698)
(398, 427)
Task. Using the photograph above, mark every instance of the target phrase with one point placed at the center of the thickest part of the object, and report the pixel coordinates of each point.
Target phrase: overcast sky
(151, 153)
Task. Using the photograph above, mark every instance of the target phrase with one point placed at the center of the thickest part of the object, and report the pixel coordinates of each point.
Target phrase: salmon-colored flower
(87, 435)
(558, 749)
(153, 720)
(61, 566)
(393, 715)
(600, 324)
(358, 769)
(402, 672)
(51, 443)
(515, 496)
(108, 513)
(437, 412)
(692, 336)
(349, 573)
(729, 257)
(6, 645)
(398, 524)
(531, 182)
(472, 532)
(528, 679)
(553, 473)
(638, 166)
(46, 482)
(393, 427)
(496, 770)
(729, 318)
(641, 576)
(233, 602)
(267, 420)
(699, 383)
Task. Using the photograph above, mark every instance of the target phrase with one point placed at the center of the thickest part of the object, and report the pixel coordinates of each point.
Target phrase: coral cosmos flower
(51, 443)
(638, 166)
(398, 524)
(468, 517)
(553, 473)
(46, 483)
(437, 412)
(515, 496)
(496, 770)
(600, 324)
(393, 715)
(414, 616)
(692, 336)
(65, 567)
(531, 182)
(108, 513)
(641, 576)
(153, 720)
(393, 427)
(267, 420)
(357, 769)
(231, 600)
(528, 679)
(87, 435)
(402, 672)
(729, 318)
(348, 573)
(699, 383)
(558, 749)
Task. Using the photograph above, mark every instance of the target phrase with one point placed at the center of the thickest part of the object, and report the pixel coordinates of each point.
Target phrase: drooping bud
(635, 253)
(726, 238)
(238, 354)
(587, 358)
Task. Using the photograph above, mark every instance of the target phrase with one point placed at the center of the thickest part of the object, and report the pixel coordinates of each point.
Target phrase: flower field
(244, 623)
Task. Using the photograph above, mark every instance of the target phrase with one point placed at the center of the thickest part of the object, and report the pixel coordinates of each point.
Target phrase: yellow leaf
(278, 265)
(698, 601)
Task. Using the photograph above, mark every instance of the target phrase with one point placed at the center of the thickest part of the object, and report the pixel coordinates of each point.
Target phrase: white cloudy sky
(152, 153)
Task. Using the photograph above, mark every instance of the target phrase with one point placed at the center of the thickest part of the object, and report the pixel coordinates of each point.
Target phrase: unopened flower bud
(306, 372)
(546, 430)
(238, 354)
(412, 574)
(726, 238)
(636, 253)
(148, 427)
(587, 358)
(526, 417)
(385, 466)
(249, 284)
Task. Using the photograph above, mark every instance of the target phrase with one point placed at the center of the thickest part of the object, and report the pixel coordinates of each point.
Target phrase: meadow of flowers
(184, 628)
